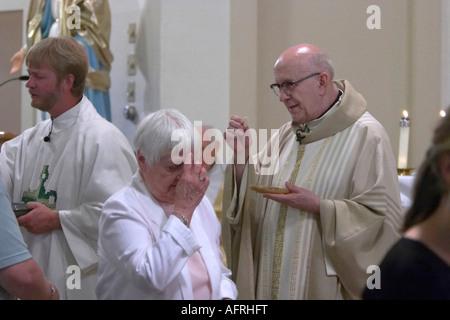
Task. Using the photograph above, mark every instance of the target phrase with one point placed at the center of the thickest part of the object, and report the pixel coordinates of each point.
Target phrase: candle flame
(405, 114)
(442, 113)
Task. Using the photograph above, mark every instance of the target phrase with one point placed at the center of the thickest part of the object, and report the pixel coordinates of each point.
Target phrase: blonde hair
(65, 56)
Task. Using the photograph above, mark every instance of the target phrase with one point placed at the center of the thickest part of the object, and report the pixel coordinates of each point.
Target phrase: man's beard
(47, 101)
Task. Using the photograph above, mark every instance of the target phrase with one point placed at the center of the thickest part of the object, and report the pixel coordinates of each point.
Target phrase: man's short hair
(65, 56)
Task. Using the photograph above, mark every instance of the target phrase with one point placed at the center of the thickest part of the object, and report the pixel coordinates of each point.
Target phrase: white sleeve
(145, 255)
(103, 174)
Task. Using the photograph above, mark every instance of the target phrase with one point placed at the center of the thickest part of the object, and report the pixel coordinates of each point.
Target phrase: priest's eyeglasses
(288, 86)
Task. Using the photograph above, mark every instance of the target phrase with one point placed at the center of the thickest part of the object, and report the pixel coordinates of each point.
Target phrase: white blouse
(143, 254)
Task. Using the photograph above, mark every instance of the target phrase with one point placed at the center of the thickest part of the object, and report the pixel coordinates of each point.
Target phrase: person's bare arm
(25, 280)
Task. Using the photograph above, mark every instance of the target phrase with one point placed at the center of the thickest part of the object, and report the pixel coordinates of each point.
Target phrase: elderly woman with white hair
(159, 237)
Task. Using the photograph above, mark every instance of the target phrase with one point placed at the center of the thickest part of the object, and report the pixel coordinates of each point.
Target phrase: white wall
(124, 13)
(28, 114)
(194, 59)
(425, 74)
(244, 84)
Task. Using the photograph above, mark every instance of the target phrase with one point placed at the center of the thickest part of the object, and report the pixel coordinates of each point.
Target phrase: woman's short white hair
(153, 137)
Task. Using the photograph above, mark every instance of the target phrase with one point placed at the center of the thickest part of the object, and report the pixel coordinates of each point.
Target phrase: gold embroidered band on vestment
(281, 224)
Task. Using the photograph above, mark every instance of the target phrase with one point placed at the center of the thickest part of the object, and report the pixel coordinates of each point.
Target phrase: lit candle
(404, 141)
(442, 113)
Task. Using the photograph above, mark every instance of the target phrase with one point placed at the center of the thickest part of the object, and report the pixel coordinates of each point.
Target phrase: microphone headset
(25, 78)
(22, 78)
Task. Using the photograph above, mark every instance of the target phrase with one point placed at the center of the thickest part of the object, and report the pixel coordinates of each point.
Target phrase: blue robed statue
(89, 21)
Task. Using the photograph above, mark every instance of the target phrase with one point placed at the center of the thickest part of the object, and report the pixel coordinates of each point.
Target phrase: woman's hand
(190, 189)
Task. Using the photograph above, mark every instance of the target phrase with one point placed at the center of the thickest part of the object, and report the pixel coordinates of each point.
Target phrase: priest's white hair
(154, 134)
(322, 61)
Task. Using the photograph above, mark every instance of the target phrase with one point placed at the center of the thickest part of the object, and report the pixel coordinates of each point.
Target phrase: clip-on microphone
(47, 137)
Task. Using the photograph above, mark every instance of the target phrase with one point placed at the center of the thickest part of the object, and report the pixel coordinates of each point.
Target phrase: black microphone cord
(22, 78)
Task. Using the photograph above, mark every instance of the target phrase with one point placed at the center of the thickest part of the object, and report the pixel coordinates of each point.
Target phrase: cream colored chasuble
(290, 223)
(279, 252)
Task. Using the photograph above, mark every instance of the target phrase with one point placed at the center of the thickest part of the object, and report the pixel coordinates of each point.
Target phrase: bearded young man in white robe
(64, 168)
(343, 207)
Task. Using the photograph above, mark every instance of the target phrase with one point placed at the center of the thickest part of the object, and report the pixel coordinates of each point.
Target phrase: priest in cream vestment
(343, 210)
